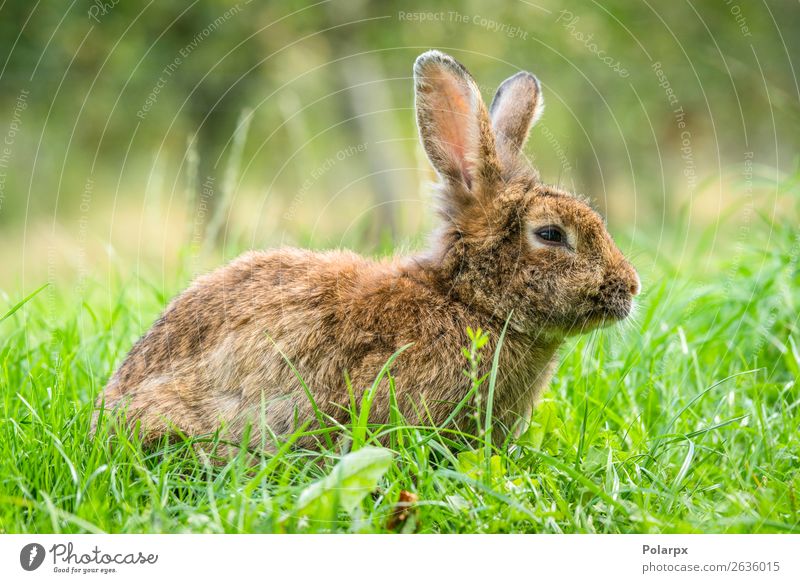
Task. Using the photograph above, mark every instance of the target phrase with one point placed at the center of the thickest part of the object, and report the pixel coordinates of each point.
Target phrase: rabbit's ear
(516, 106)
(453, 122)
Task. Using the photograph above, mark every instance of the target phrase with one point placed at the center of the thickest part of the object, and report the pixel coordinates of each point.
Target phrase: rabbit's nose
(636, 284)
(628, 277)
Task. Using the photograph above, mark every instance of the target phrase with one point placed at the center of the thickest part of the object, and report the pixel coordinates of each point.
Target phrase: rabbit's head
(509, 241)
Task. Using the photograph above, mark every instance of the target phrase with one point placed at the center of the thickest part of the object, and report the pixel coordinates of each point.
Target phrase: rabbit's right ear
(453, 121)
(516, 106)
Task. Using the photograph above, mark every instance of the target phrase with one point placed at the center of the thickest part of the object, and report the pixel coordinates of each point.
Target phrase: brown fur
(219, 352)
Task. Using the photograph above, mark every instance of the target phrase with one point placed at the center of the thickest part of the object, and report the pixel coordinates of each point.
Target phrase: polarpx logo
(31, 556)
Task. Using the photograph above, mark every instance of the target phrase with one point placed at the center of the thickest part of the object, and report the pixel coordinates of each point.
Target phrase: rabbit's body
(325, 313)
(510, 248)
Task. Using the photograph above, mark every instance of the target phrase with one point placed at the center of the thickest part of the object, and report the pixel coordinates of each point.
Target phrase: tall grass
(685, 420)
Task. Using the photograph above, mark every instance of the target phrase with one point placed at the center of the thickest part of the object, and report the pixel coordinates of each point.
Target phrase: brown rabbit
(508, 244)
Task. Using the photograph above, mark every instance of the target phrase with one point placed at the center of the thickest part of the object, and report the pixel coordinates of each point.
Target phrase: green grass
(683, 420)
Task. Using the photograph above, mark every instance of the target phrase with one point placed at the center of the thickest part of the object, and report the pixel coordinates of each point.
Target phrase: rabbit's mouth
(621, 308)
(600, 315)
(609, 311)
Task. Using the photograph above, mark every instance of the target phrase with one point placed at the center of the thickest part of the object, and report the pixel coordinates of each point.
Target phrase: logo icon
(31, 556)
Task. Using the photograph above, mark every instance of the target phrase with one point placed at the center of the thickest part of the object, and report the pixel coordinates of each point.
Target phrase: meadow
(683, 419)
(141, 145)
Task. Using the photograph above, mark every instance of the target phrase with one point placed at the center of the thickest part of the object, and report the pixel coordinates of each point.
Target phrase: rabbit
(511, 251)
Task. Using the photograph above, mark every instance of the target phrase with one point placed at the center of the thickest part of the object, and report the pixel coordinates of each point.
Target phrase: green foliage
(21, 303)
(682, 420)
(613, 137)
(350, 481)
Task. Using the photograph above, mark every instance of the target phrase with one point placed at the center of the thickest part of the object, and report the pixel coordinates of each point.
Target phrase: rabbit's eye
(552, 235)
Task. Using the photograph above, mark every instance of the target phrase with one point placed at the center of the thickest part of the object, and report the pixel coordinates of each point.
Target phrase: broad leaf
(353, 478)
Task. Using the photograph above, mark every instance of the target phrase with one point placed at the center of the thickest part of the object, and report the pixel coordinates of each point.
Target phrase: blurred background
(159, 139)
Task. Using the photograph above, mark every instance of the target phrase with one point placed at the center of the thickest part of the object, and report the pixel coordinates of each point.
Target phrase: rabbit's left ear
(453, 122)
(516, 106)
